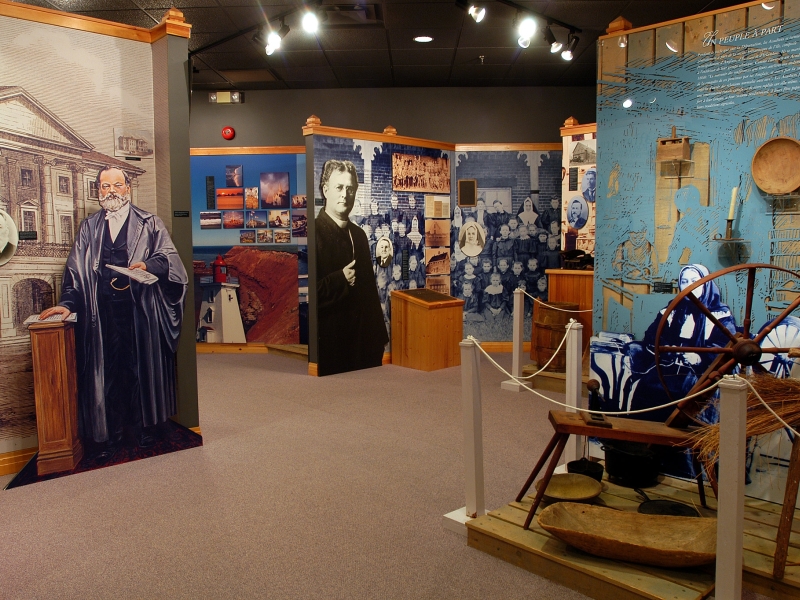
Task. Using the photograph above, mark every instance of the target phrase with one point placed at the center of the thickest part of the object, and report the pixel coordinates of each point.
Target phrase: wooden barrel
(549, 328)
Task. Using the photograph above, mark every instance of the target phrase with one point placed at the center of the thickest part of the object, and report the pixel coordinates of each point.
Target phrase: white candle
(732, 210)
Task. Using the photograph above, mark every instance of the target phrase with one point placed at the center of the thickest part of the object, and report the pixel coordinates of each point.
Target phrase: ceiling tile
(352, 39)
(226, 60)
(343, 73)
(208, 20)
(365, 83)
(478, 71)
(180, 4)
(297, 59)
(495, 37)
(412, 16)
(404, 38)
(358, 58)
(429, 57)
(92, 5)
(242, 43)
(491, 56)
(586, 13)
(422, 73)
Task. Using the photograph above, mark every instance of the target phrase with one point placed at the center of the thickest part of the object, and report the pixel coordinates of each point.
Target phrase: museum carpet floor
(304, 487)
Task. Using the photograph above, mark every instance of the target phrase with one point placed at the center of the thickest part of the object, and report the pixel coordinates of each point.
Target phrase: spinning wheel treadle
(742, 349)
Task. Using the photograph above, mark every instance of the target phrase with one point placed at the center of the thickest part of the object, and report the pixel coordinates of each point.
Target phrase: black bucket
(631, 464)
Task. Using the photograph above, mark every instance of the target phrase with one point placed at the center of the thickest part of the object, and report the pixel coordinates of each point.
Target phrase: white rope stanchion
(518, 317)
(573, 385)
(473, 440)
(730, 499)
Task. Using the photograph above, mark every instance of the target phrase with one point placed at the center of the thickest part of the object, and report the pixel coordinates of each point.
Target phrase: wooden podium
(427, 327)
(55, 387)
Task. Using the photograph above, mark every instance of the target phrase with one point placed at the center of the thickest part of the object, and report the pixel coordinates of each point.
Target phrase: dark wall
(457, 115)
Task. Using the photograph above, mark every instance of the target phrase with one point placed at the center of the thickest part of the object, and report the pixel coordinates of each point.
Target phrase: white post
(473, 440)
(730, 502)
(518, 333)
(574, 383)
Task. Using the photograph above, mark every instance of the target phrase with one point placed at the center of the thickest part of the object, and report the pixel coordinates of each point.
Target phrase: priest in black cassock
(127, 331)
(351, 329)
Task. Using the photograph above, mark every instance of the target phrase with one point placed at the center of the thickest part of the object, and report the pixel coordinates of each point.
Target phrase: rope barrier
(594, 412)
(535, 299)
(552, 358)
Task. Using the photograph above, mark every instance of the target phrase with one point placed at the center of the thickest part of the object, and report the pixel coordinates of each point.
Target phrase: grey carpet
(306, 487)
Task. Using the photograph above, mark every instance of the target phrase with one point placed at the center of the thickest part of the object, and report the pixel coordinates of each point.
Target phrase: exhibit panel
(250, 267)
(579, 186)
(685, 128)
(506, 235)
(64, 164)
(373, 194)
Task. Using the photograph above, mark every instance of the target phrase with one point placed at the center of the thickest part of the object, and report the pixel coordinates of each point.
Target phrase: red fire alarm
(228, 133)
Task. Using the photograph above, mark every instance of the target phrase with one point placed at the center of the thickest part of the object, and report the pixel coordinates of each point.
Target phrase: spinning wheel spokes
(741, 349)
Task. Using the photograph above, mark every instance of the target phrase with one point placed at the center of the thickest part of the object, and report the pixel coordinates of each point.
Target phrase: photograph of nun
(686, 326)
(471, 239)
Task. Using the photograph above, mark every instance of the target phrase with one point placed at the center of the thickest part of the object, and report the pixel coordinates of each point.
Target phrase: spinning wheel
(742, 349)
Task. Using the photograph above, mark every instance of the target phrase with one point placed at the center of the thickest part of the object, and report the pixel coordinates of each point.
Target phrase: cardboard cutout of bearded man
(127, 331)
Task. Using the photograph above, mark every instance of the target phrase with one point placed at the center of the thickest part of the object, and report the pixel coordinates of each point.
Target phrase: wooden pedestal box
(427, 327)
(55, 388)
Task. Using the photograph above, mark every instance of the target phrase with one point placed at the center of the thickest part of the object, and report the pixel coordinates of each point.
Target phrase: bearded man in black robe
(352, 333)
(127, 331)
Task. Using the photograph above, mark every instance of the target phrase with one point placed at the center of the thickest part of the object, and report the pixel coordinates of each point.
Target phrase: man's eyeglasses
(107, 186)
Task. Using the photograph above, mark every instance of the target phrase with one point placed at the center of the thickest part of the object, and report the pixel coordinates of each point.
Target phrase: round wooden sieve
(776, 165)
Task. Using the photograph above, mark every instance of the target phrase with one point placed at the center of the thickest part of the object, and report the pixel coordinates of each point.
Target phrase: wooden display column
(55, 388)
(427, 327)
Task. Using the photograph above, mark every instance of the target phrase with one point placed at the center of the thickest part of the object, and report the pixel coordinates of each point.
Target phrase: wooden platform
(298, 351)
(500, 534)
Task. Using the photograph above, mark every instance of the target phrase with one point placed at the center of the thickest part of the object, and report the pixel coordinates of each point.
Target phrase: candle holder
(734, 249)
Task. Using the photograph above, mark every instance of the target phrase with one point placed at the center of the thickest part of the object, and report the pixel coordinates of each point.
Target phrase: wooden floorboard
(500, 534)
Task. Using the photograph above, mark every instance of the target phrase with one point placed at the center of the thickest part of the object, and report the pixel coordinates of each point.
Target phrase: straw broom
(782, 395)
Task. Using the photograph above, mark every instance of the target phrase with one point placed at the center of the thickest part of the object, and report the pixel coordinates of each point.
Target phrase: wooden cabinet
(427, 327)
(55, 388)
(573, 286)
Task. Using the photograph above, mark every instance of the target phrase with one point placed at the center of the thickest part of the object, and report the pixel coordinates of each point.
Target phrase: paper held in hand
(56, 318)
(135, 274)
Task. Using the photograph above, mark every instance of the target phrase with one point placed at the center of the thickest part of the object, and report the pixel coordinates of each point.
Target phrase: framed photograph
(467, 192)
(247, 236)
(471, 239)
(274, 190)
(299, 224)
(133, 142)
(251, 198)
(384, 252)
(299, 201)
(589, 185)
(210, 219)
(437, 261)
(256, 219)
(438, 283)
(282, 236)
(233, 176)
(437, 232)
(279, 218)
(264, 236)
(582, 152)
(437, 207)
(420, 174)
(233, 219)
(577, 212)
(230, 199)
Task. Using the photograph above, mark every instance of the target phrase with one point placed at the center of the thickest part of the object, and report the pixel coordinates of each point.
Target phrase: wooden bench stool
(629, 430)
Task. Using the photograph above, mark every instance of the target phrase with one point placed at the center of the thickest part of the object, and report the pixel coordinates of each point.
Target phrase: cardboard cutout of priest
(128, 325)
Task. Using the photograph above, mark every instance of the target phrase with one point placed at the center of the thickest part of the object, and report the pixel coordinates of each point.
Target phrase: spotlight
(555, 45)
(571, 45)
(423, 39)
(768, 5)
(310, 22)
(274, 40)
(627, 103)
(526, 28)
(284, 30)
(477, 13)
(622, 41)
(524, 42)
(672, 46)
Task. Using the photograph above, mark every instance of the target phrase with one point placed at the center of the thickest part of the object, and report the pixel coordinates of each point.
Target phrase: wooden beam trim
(250, 348)
(312, 369)
(579, 129)
(505, 147)
(247, 150)
(616, 34)
(49, 16)
(376, 137)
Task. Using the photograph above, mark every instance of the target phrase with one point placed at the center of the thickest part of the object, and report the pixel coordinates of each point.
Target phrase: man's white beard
(112, 201)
